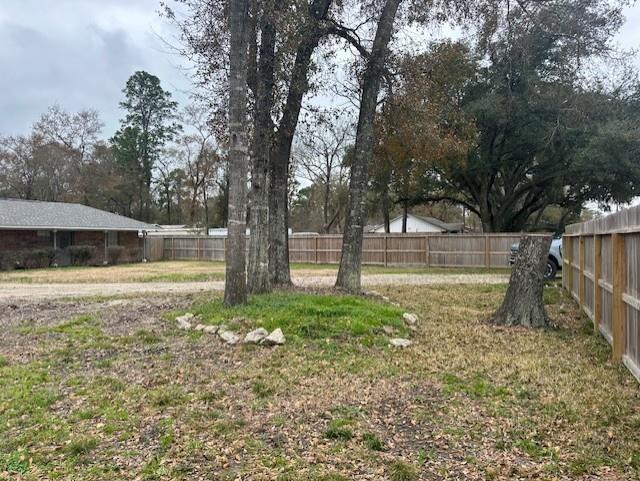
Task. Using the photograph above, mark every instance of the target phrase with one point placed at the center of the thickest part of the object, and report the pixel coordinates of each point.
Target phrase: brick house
(57, 228)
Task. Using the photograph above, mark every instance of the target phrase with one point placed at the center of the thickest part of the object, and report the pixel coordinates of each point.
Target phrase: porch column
(106, 251)
(55, 239)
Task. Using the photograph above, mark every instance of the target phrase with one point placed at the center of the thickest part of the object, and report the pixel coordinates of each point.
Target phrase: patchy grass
(197, 271)
(166, 271)
(104, 395)
(308, 316)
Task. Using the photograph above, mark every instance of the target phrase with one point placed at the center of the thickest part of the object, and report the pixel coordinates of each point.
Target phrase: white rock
(210, 329)
(275, 338)
(229, 337)
(184, 322)
(409, 318)
(255, 336)
(399, 342)
(200, 327)
(388, 330)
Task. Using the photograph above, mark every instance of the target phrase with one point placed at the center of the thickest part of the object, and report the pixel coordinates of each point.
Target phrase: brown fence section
(601, 265)
(436, 250)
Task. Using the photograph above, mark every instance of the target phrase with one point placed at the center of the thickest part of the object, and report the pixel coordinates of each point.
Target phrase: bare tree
(319, 155)
(74, 137)
(235, 289)
(258, 271)
(350, 261)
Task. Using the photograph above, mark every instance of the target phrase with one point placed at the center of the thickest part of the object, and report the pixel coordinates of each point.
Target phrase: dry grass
(190, 271)
(117, 392)
(170, 271)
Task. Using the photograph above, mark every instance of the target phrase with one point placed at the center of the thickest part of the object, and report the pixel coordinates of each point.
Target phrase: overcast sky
(79, 54)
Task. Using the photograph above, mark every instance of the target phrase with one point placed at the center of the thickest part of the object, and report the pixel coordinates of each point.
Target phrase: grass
(197, 271)
(308, 316)
(467, 401)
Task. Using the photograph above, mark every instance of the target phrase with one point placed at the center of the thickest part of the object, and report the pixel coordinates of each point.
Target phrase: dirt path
(11, 291)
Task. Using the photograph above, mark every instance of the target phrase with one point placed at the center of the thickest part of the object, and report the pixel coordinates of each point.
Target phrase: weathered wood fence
(437, 250)
(601, 266)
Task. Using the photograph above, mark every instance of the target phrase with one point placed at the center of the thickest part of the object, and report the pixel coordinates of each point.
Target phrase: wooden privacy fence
(437, 250)
(601, 266)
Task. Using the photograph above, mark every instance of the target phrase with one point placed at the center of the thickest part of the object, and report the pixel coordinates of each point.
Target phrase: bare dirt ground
(35, 291)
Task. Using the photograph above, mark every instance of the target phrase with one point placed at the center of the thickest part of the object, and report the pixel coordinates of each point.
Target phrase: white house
(416, 223)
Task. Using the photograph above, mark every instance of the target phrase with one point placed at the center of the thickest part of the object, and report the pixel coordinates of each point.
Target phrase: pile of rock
(410, 320)
(257, 336)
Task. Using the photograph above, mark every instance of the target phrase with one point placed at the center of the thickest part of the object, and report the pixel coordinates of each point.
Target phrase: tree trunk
(523, 304)
(235, 288)
(385, 210)
(405, 215)
(279, 172)
(258, 273)
(351, 258)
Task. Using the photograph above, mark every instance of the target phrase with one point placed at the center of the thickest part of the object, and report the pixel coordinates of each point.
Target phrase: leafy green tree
(547, 133)
(148, 125)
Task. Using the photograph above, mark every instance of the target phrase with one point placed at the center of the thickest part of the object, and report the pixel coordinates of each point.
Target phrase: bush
(8, 261)
(81, 255)
(37, 258)
(114, 254)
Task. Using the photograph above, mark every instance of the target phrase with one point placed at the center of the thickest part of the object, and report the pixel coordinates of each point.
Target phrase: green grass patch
(401, 471)
(339, 430)
(372, 442)
(307, 316)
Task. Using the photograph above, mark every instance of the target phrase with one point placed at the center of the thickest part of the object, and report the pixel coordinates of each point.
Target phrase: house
(37, 234)
(173, 230)
(416, 223)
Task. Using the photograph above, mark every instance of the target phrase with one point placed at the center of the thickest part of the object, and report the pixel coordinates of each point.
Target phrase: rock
(200, 327)
(388, 330)
(275, 338)
(229, 337)
(409, 318)
(256, 336)
(184, 322)
(399, 342)
(210, 329)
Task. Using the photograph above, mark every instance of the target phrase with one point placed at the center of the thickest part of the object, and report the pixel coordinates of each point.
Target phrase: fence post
(570, 265)
(316, 249)
(426, 250)
(597, 291)
(487, 251)
(173, 248)
(617, 243)
(581, 278)
(385, 251)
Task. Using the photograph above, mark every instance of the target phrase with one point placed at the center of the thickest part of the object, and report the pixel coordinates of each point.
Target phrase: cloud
(79, 55)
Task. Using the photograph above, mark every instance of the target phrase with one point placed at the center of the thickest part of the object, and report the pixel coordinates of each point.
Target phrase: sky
(79, 54)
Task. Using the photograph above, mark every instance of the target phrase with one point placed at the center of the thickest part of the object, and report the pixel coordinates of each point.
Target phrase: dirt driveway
(11, 291)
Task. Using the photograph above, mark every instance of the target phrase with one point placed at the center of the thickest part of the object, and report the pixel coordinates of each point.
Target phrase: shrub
(8, 260)
(81, 255)
(114, 254)
(38, 258)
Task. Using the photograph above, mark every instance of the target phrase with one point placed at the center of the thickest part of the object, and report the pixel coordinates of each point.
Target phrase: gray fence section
(602, 265)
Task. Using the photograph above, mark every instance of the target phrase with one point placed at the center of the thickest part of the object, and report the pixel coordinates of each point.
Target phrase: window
(112, 238)
(43, 234)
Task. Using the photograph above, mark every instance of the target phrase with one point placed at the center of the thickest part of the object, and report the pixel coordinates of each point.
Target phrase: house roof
(35, 214)
(446, 227)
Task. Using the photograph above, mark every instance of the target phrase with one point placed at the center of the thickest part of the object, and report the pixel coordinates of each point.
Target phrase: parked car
(554, 262)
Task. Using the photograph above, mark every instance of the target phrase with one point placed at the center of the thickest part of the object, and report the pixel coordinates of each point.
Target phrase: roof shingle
(35, 214)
